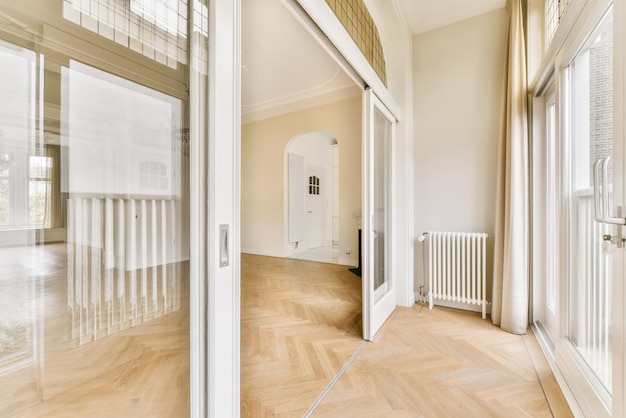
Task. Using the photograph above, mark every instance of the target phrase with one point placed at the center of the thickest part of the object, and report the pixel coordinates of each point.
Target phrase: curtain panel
(511, 270)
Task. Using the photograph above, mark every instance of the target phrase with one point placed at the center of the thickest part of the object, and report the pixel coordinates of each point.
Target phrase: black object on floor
(357, 270)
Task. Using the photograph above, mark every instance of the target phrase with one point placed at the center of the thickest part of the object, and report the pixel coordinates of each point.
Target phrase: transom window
(554, 12)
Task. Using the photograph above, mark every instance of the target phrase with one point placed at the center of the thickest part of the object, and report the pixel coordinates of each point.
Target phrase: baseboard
(347, 261)
(31, 236)
(264, 253)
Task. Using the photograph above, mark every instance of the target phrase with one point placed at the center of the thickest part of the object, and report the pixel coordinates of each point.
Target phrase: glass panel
(94, 208)
(551, 199)
(551, 19)
(5, 197)
(382, 144)
(589, 282)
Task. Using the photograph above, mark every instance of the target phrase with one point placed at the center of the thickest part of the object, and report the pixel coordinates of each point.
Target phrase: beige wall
(458, 75)
(263, 177)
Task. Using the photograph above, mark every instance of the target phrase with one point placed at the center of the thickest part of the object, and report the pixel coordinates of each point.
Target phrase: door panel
(585, 353)
(378, 288)
(94, 208)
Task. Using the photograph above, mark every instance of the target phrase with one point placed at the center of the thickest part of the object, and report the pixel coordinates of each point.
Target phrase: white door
(589, 351)
(315, 193)
(379, 299)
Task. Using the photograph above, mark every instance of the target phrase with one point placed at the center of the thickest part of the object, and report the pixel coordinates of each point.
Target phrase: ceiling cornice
(296, 102)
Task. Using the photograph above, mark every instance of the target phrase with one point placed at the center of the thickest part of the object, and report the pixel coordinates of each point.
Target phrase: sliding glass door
(578, 190)
(95, 157)
(588, 116)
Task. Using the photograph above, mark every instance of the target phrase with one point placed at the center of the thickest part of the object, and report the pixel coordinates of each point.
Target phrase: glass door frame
(545, 218)
(619, 160)
(549, 62)
(376, 307)
(585, 391)
(215, 211)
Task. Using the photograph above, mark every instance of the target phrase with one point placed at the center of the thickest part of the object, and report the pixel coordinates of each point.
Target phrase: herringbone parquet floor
(300, 325)
(140, 371)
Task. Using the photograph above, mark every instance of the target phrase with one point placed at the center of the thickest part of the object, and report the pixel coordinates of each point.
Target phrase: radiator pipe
(421, 239)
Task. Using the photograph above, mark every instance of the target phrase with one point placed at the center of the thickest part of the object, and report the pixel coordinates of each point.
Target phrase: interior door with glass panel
(379, 299)
(94, 207)
(585, 354)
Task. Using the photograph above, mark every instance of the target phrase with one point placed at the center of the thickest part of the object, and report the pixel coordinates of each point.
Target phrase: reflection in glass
(156, 29)
(17, 134)
(382, 145)
(18, 131)
(94, 204)
(124, 201)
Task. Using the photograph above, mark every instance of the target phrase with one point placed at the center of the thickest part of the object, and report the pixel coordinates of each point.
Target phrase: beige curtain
(510, 282)
(54, 214)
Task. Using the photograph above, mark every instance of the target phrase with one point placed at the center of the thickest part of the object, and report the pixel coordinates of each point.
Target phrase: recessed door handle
(224, 257)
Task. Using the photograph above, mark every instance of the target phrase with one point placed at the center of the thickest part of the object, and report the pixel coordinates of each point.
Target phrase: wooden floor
(139, 371)
(301, 325)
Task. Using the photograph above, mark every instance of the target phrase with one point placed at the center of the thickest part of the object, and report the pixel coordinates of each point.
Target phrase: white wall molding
(300, 101)
(316, 16)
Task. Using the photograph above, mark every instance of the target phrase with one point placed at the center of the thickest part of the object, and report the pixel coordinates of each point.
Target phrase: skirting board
(347, 261)
(265, 253)
(343, 261)
(28, 236)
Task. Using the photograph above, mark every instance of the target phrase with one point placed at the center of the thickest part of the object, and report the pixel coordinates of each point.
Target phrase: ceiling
(284, 68)
(425, 15)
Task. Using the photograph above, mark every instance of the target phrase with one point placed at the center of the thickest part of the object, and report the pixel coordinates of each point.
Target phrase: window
(314, 185)
(153, 175)
(26, 189)
(5, 189)
(553, 14)
(156, 29)
(39, 188)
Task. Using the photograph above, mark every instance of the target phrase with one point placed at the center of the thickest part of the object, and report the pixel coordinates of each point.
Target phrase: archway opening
(312, 196)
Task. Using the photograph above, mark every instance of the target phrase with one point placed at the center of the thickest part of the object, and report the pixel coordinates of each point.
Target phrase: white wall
(458, 75)
(263, 143)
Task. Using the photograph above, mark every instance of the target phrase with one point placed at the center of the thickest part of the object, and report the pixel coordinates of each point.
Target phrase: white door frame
(619, 152)
(219, 362)
(215, 215)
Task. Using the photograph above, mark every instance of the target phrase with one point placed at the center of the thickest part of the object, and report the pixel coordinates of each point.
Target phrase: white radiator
(457, 268)
(123, 263)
